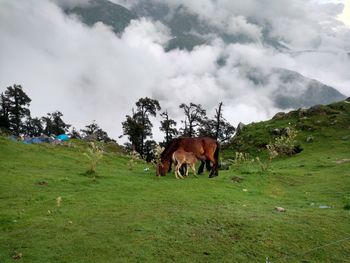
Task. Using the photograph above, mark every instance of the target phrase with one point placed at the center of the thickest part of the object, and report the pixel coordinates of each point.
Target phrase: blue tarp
(37, 140)
(63, 137)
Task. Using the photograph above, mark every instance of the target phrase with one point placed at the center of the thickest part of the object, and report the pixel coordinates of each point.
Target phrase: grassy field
(51, 211)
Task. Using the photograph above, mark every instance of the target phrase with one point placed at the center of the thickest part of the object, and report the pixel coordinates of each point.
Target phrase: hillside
(323, 123)
(116, 16)
(52, 211)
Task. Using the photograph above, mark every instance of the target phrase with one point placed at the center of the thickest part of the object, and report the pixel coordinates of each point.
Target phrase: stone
(239, 128)
(276, 131)
(279, 115)
(310, 138)
(280, 209)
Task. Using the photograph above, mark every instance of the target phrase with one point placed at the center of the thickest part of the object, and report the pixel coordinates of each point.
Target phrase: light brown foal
(181, 157)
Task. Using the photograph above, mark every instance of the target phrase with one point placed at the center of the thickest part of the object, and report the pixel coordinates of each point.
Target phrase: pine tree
(167, 126)
(138, 126)
(17, 103)
(54, 125)
(33, 127)
(4, 113)
(93, 132)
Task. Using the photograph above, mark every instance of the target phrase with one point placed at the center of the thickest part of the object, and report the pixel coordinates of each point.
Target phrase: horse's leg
(193, 166)
(201, 167)
(177, 172)
(186, 170)
(171, 162)
(183, 169)
(207, 165)
(213, 171)
(179, 164)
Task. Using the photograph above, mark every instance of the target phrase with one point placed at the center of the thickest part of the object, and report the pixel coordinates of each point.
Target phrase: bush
(283, 145)
(94, 154)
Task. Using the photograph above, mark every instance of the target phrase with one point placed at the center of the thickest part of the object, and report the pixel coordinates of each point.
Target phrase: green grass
(133, 216)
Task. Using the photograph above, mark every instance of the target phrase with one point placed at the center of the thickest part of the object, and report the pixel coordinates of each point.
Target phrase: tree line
(16, 119)
(138, 126)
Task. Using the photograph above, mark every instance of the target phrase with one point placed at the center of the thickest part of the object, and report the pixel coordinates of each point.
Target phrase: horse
(181, 157)
(204, 148)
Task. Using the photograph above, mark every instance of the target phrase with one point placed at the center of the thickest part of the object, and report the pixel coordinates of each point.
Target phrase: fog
(90, 73)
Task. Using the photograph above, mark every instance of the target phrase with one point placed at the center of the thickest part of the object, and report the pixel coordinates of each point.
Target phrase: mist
(90, 73)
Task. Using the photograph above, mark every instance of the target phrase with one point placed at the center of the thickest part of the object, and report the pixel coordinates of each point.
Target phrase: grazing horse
(181, 157)
(204, 148)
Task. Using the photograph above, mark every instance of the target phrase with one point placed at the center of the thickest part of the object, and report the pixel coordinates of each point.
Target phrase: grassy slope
(132, 216)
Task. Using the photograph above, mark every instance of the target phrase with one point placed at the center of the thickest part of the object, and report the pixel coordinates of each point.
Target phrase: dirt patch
(237, 179)
(42, 183)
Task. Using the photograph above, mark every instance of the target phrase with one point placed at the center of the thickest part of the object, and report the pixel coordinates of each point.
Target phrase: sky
(89, 73)
(345, 15)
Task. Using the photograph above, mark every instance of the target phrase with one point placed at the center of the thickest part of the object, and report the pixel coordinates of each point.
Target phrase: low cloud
(89, 73)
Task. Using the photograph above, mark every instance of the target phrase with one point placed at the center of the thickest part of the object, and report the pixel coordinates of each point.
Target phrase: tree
(138, 126)
(33, 127)
(16, 103)
(74, 134)
(54, 125)
(195, 115)
(167, 126)
(150, 145)
(93, 132)
(217, 127)
(4, 113)
(133, 129)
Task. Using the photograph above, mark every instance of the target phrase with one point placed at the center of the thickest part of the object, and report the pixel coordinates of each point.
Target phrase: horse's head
(162, 168)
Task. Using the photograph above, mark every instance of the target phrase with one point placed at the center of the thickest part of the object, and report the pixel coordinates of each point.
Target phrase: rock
(286, 131)
(17, 255)
(224, 166)
(317, 110)
(310, 138)
(302, 113)
(279, 115)
(341, 161)
(239, 128)
(280, 209)
(237, 179)
(276, 131)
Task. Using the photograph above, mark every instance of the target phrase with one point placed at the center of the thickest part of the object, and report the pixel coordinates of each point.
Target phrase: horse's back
(199, 146)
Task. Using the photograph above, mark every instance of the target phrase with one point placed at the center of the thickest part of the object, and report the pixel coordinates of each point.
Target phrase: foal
(181, 157)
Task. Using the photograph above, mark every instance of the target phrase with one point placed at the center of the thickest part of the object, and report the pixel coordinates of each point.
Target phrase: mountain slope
(326, 124)
(116, 16)
(297, 91)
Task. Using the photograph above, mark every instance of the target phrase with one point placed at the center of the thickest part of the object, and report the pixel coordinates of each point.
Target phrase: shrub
(134, 156)
(94, 154)
(283, 145)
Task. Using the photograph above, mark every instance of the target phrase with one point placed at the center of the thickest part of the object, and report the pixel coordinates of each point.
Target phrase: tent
(62, 137)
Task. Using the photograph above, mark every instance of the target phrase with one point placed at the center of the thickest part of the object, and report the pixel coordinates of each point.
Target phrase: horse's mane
(171, 147)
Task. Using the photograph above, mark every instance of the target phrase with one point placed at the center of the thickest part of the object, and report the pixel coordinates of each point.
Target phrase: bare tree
(195, 115)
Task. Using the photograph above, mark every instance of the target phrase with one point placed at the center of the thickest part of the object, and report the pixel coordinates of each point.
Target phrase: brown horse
(205, 148)
(181, 157)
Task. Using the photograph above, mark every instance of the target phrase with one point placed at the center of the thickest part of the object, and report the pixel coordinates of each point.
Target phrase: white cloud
(90, 73)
